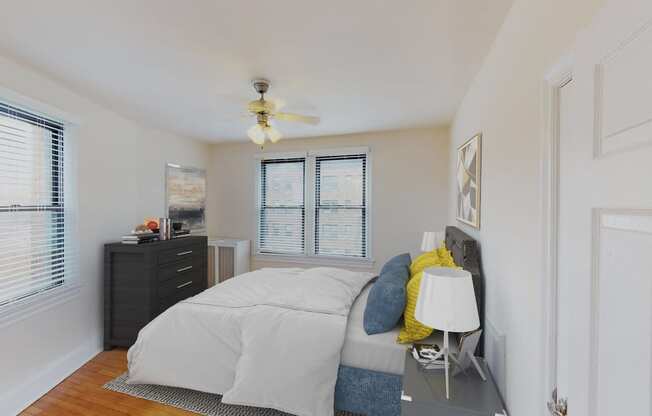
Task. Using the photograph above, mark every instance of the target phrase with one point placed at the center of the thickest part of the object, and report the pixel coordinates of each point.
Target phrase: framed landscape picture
(469, 158)
(185, 189)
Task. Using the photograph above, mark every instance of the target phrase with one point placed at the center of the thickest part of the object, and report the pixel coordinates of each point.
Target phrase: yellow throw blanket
(414, 330)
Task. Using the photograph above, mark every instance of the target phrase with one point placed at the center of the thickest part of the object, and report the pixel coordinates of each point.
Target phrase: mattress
(378, 352)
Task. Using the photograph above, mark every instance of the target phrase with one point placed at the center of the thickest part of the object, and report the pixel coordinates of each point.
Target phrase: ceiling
(186, 66)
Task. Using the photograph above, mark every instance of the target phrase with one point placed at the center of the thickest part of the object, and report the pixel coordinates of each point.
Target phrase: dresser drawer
(178, 293)
(183, 266)
(171, 255)
(193, 278)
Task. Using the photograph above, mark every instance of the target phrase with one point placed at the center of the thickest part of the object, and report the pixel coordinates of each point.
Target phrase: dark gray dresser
(424, 393)
(141, 281)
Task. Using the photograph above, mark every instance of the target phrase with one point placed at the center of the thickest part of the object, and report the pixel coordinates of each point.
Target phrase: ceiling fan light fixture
(256, 134)
(272, 134)
(265, 111)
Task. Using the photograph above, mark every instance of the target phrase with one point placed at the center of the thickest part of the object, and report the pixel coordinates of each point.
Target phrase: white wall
(504, 103)
(409, 186)
(121, 181)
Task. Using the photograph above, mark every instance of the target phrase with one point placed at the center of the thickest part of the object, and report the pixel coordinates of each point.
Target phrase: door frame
(556, 78)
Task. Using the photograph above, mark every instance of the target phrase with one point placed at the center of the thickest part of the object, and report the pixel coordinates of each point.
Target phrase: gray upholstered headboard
(466, 253)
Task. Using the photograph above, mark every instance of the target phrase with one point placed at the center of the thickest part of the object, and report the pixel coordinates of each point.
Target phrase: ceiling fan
(266, 111)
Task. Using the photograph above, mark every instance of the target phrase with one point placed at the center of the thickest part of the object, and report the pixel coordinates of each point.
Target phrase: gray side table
(424, 393)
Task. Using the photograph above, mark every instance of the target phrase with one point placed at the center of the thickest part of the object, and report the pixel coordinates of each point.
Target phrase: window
(341, 206)
(314, 205)
(282, 206)
(32, 226)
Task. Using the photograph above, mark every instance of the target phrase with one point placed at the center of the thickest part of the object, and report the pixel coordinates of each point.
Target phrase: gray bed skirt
(368, 392)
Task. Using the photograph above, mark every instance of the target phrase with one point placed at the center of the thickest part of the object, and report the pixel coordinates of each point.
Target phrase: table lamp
(431, 240)
(447, 303)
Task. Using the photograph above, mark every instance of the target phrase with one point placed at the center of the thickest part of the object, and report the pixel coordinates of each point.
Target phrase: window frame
(364, 207)
(309, 256)
(56, 199)
(70, 287)
(261, 209)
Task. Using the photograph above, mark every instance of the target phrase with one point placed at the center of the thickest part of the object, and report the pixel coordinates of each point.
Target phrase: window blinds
(282, 206)
(341, 205)
(33, 255)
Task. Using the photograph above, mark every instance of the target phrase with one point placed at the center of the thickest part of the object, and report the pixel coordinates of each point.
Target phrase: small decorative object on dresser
(141, 281)
(164, 228)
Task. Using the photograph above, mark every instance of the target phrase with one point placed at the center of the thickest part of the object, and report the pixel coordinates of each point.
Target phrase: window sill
(27, 307)
(366, 264)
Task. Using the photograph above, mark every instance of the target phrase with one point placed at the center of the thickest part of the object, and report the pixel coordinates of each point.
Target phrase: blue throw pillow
(400, 260)
(386, 301)
(398, 273)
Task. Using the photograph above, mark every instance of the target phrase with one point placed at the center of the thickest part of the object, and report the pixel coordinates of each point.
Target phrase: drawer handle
(184, 285)
(183, 269)
(184, 253)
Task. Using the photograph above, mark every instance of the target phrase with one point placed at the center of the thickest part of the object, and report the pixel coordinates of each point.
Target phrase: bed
(371, 366)
(370, 383)
(193, 346)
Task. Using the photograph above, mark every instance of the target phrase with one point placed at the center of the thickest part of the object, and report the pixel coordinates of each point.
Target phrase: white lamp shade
(447, 301)
(431, 240)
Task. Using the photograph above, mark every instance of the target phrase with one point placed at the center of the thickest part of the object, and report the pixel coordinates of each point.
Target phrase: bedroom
(123, 90)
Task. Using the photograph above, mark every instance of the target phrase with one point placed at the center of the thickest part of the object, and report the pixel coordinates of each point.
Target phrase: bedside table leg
(446, 363)
(477, 367)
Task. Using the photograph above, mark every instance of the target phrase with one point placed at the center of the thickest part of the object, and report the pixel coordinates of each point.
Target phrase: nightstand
(424, 393)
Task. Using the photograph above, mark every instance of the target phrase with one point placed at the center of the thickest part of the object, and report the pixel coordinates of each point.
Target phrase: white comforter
(275, 337)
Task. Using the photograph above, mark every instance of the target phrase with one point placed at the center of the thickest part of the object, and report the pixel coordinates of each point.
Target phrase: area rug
(194, 401)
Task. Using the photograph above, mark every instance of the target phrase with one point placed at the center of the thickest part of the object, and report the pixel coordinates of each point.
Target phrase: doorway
(558, 87)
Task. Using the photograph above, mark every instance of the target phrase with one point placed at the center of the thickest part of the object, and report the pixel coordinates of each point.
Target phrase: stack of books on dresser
(139, 238)
(180, 233)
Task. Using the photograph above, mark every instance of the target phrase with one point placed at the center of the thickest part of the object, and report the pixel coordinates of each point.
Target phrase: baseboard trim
(20, 397)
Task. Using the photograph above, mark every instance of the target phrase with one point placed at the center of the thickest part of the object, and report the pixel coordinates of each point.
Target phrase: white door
(605, 208)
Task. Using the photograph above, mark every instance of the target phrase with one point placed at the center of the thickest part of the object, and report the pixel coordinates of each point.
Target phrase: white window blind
(33, 254)
(341, 206)
(314, 204)
(282, 206)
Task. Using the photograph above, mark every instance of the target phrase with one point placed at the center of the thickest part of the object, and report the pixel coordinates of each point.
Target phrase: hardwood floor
(82, 393)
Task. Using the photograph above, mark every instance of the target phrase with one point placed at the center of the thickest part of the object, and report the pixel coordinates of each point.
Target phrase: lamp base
(435, 362)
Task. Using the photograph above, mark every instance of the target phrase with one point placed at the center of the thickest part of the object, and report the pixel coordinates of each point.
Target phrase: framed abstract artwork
(185, 190)
(469, 158)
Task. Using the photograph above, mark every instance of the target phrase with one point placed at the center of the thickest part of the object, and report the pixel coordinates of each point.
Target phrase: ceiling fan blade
(278, 103)
(236, 118)
(258, 106)
(297, 118)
